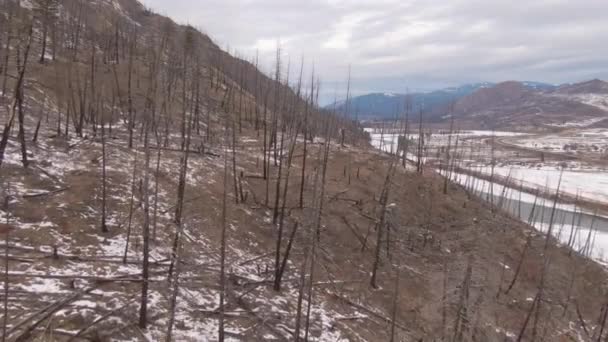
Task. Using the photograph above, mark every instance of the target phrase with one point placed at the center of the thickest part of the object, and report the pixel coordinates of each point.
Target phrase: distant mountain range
(386, 105)
(511, 104)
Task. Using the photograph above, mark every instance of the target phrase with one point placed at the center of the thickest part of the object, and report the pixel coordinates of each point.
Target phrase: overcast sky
(417, 44)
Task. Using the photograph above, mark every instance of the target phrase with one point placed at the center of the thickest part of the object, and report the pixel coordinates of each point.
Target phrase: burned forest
(155, 186)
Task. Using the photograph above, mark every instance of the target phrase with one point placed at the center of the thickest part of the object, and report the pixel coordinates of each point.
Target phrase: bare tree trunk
(381, 222)
(462, 318)
(528, 316)
(519, 264)
(223, 242)
(444, 302)
(180, 196)
(104, 227)
(278, 268)
(447, 159)
(301, 287)
(5, 134)
(275, 214)
(234, 171)
(44, 37)
(156, 183)
(493, 165)
(305, 132)
(37, 130)
(143, 310)
(419, 162)
(17, 102)
(317, 204)
(131, 204)
(603, 320)
(283, 265)
(19, 98)
(394, 313)
(21, 134)
(7, 49)
(309, 296)
(550, 229)
(130, 122)
(174, 294)
(6, 264)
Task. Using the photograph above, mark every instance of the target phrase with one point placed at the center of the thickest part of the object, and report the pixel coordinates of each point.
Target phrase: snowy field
(587, 181)
(388, 141)
(590, 184)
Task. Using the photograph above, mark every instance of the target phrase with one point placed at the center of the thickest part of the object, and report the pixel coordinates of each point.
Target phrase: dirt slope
(433, 238)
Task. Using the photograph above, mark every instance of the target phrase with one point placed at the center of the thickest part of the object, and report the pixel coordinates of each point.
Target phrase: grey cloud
(392, 44)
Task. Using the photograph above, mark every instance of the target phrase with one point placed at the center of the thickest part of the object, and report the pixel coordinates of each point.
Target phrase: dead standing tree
(419, 154)
(17, 105)
(295, 128)
(104, 227)
(46, 12)
(308, 106)
(222, 278)
(10, 8)
(149, 122)
(382, 220)
(280, 267)
(447, 160)
(461, 324)
(6, 207)
(317, 205)
(143, 310)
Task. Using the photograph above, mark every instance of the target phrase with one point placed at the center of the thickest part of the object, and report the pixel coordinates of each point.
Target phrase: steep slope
(59, 254)
(503, 94)
(116, 29)
(589, 87)
(593, 93)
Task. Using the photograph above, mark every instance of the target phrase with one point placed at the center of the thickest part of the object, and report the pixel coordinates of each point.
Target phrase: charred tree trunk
(143, 310)
(381, 223)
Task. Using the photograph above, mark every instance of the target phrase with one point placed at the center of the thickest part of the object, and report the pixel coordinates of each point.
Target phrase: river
(584, 231)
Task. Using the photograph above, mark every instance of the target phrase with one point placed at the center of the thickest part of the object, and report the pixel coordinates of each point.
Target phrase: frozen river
(582, 230)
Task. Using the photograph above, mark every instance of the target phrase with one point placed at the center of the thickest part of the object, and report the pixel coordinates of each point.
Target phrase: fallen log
(43, 194)
(368, 311)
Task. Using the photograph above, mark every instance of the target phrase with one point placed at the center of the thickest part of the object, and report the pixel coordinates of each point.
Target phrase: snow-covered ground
(591, 141)
(579, 123)
(593, 99)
